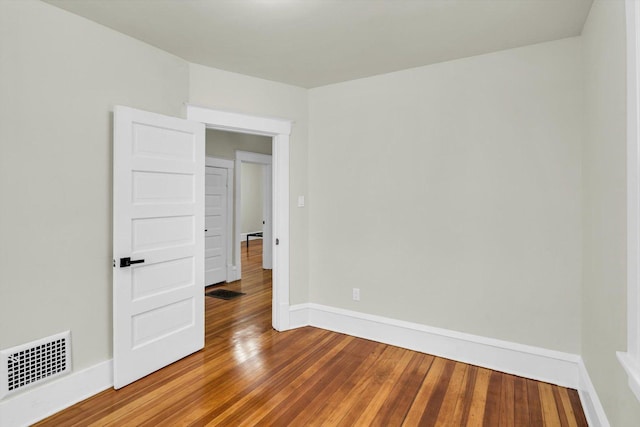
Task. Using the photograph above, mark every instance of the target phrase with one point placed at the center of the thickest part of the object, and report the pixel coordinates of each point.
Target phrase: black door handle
(126, 262)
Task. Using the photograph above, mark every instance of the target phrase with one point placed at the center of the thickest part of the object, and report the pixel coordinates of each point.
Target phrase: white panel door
(215, 224)
(158, 243)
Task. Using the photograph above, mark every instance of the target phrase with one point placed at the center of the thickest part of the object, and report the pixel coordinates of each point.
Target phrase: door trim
(279, 130)
(229, 165)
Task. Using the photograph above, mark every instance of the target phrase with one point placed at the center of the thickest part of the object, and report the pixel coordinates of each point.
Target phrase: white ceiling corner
(311, 43)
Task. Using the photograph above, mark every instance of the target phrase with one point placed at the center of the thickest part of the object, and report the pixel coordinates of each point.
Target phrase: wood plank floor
(249, 375)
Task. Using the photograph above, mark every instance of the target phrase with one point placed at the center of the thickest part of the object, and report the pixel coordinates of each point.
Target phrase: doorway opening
(238, 201)
(253, 178)
(279, 131)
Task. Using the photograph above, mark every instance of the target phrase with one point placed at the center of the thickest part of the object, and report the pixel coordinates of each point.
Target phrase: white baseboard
(591, 405)
(518, 359)
(632, 369)
(232, 273)
(564, 369)
(537, 363)
(38, 403)
(299, 316)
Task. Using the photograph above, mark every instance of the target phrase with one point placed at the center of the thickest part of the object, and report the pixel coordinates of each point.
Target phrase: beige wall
(462, 188)
(604, 210)
(60, 76)
(251, 198)
(234, 92)
(225, 144)
(450, 195)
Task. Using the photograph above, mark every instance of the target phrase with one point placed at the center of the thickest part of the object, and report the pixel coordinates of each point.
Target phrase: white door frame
(258, 159)
(229, 165)
(279, 130)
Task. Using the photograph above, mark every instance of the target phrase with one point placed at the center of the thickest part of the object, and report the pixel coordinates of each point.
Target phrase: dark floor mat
(224, 294)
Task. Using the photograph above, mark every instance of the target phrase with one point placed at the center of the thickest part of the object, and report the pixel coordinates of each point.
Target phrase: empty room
(449, 193)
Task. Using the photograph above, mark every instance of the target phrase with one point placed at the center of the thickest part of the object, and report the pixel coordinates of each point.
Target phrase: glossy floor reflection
(248, 374)
(243, 321)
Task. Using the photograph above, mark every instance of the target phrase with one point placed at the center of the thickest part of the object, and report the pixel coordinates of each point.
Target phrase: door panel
(156, 323)
(215, 258)
(160, 143)
(149, 280)
(161, 233)
(154, 187)
(158, 204)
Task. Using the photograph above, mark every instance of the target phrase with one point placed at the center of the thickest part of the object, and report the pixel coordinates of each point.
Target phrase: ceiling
(311, 43)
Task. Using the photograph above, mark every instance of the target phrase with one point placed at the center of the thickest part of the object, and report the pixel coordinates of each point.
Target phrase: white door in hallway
(215, 255)
(158, 242)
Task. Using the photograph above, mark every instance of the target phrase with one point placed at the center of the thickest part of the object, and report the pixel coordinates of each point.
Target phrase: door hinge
(277, 242)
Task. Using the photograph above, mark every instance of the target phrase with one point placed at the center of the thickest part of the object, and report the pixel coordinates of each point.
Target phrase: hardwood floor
(248, 375)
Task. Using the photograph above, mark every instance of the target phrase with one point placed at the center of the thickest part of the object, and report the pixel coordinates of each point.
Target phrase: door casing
(279, 130)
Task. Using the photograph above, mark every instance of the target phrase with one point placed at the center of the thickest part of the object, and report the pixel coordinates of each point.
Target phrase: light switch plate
(300, 201)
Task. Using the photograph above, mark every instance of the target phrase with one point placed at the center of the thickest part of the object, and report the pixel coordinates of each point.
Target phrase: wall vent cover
(34, 362)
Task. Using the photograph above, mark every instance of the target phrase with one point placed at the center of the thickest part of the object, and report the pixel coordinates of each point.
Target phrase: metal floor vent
(34, 362)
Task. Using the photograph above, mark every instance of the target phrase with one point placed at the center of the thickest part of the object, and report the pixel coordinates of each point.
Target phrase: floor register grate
(34, 362)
